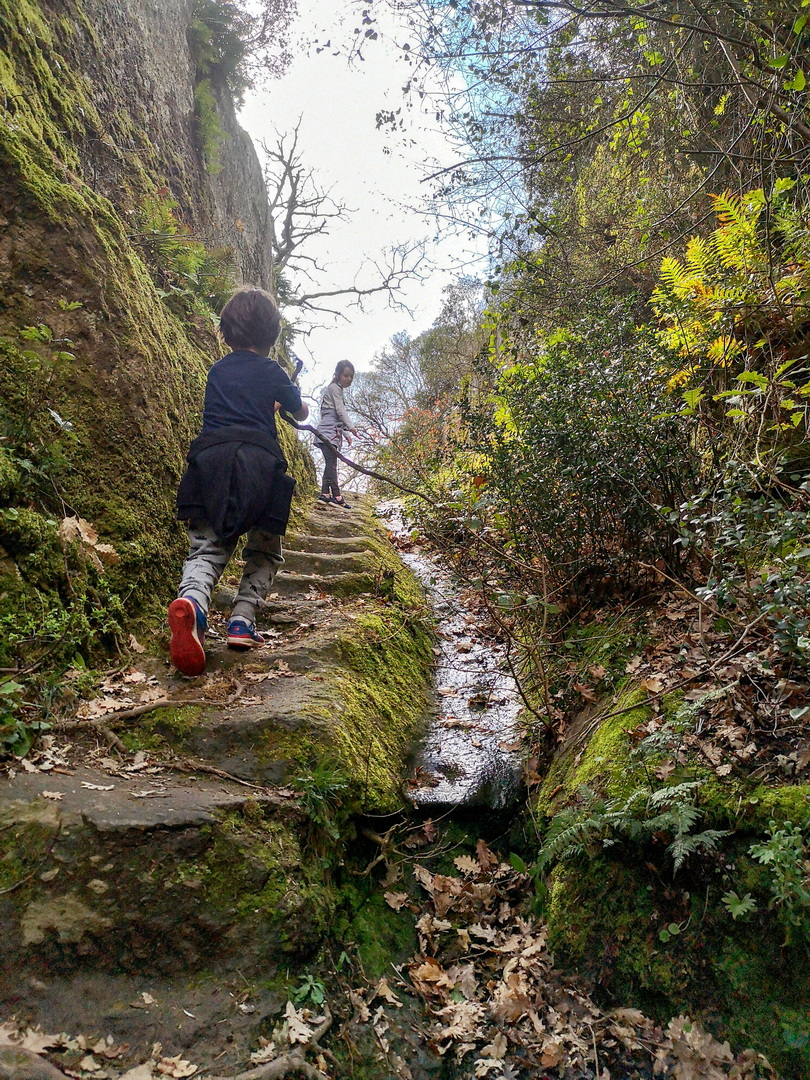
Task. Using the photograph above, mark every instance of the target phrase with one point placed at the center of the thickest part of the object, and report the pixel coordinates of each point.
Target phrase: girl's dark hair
(250, 320)
(342, 365)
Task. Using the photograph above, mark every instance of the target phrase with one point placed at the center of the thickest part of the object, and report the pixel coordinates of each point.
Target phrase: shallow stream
(470, 754)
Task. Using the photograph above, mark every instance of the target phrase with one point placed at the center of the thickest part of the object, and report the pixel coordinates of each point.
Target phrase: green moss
(605, 912)
(9, 475)
(600, 760)
(28, 832)
(380, 935)
(178, 721)
(604, 918)
(127, 373)
(784, 802)
(255, 876)
(382, 701)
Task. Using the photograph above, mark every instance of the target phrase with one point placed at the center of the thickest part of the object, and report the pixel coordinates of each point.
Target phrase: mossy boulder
(619, 912)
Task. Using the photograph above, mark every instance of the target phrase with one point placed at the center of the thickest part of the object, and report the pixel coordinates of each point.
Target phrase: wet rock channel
(468, 755)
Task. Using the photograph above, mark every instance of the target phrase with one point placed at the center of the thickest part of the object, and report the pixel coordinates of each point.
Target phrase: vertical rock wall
(102, 367)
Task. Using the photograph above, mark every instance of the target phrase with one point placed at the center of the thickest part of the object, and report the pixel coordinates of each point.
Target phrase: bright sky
(337, 103)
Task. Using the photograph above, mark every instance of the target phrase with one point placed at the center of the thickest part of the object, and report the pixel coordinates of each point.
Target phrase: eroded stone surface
(196, 849)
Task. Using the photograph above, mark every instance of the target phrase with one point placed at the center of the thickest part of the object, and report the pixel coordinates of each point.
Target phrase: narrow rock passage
(163, 850)
(163, 907)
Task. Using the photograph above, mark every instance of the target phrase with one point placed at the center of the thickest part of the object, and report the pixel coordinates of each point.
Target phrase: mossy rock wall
(101, 376)
(611, 909)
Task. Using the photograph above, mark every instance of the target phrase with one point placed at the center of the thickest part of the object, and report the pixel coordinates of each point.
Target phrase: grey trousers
(208, 556)
(330, 484)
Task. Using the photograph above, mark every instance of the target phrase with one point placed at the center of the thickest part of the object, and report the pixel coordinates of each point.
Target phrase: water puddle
(470, 754)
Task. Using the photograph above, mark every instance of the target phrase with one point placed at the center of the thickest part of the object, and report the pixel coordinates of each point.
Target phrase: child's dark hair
(250, 320)
(342, 366)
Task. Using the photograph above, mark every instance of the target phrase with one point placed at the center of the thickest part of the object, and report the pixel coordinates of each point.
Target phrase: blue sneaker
(187, 622)
(244, 635)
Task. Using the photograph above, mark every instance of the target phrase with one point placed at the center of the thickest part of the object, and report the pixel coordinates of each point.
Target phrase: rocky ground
(215, 876)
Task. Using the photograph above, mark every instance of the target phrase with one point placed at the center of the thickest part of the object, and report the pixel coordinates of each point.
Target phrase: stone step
(326, 563)
(334, 544)
(331, 521)
(148, 872)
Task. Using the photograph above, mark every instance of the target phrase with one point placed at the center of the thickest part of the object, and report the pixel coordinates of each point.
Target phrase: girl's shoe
(324, 498)
(187, 622)
(244, 635)
(340, 501)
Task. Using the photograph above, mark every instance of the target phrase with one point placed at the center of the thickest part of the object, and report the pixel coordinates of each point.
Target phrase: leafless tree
(300, 211)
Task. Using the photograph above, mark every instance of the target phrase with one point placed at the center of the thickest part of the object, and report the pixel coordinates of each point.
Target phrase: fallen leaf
(653, 684)
(97, 787)
(396, 900)
(176, 1067)
(487, 860)
(38, 1041)
(140, 1072)
(384, 991)
(72, 529)
(467, 865)
(553, 1053)
(587, 692)
(55, 795)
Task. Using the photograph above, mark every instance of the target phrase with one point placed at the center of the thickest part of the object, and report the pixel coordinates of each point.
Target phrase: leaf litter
(496, 1005)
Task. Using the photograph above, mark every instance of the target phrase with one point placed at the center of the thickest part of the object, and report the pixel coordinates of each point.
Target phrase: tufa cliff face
(130, 204)
(141, 78)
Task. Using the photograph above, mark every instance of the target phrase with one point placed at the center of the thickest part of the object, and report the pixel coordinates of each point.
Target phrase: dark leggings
(330, 476)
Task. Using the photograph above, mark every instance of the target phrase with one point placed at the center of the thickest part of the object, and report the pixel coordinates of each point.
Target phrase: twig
(291, 1063)
(131, 714)
(703, 603)
(403, 487)
(35, 871)
(189, 765)
(601, 717)
(112, 739)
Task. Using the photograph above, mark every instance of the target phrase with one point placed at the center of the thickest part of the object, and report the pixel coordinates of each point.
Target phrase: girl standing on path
(333, 424)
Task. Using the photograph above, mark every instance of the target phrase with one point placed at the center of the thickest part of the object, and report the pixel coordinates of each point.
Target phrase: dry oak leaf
(140, 1072)
(384, 991)
(553, 1053)
(466, 865)
(396, 900)
(653, 684)
(34, 1039)
(430, 977)
(587, 692)
(362, 1013)
(487, 860)
(424, 877)
(55, 795)
(76, 528)
(297, 1029)
(176, 1067)
(496, 1049)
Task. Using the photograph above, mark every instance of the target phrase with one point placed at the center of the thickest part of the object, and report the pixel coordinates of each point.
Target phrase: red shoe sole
(185, 650)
